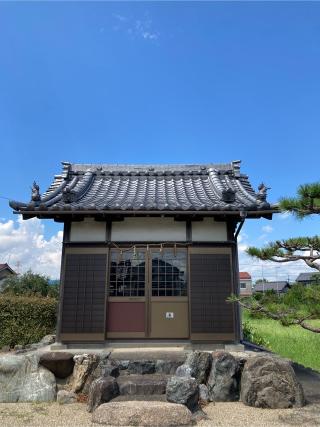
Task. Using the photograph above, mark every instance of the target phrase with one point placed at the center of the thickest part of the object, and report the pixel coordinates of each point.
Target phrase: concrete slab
(146, 346)
(149, 354)
(234, 347)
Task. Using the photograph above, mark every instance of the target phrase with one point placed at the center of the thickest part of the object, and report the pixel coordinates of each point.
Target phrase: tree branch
(258, 308)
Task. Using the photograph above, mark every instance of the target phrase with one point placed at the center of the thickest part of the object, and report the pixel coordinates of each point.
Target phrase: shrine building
(149, 251)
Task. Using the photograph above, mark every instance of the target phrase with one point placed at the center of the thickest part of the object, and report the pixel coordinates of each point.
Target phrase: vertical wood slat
(83, 305)
(210, 285)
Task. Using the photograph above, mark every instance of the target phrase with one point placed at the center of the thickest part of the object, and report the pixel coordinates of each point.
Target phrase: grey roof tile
(306, 277)
(268, 286)
(211, 187)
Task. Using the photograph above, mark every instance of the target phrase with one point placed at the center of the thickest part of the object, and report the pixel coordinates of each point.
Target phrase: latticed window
(169, 273)
(127, 273)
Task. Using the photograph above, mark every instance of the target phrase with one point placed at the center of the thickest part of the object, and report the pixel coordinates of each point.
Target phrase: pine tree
(306, 301)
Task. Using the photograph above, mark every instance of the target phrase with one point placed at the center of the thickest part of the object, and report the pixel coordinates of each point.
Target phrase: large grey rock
(183, 390)
(122, 364)
(85, 364)
(65, 397)
(167, 366)
(184, 371)
(223, 380)
(39, 386)
(22, 380)
(270, 382)
(203, 393)
(105, 367)
(197, 365)
(142, 413)
(141, 367)
(101, 391)
(48, 340)
(142, 384)
(60, 363)
(18, 347)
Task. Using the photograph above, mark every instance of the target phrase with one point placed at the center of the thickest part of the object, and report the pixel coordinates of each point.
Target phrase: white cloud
(119, 17)
(267, 229)
(143, 28)
(23, 246)
(23, 242)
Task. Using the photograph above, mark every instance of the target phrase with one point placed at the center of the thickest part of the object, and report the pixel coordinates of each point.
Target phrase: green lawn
(292, 342)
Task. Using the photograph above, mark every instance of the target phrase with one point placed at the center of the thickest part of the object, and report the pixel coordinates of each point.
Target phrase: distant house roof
(268, 286)
(244, 275)
(306, 277)
(104, 188)
(6, 267)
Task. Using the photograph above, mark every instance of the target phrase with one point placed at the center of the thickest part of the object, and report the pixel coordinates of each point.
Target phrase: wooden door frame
(120, 335)
(148, 249)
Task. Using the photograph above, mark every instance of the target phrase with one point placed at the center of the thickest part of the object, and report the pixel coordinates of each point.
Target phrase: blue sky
(161, 82)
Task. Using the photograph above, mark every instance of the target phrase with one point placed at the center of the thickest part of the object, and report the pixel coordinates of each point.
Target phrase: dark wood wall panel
(83, 309)
(211, 284)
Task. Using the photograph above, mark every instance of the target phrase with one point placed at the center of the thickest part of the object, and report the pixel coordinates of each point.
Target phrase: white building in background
(5, 272)
(245, 284)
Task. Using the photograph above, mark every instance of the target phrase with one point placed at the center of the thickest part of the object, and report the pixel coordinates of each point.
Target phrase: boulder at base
(142, 413)
(200, 364)
(60, 363)
(270, 382)
(104, 368)
(203, 393)
(48, 340)
(101, 391)
(183, 390)
(85, 364)
(22, 380)
(223, 382)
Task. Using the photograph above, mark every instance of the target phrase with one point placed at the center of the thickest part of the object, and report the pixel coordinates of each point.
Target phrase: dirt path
(220, 414)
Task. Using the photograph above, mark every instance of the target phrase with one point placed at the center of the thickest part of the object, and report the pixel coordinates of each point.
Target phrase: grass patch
(291, 342)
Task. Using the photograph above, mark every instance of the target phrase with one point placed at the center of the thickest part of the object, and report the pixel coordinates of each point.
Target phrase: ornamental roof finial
(262, 195)
(35, 192)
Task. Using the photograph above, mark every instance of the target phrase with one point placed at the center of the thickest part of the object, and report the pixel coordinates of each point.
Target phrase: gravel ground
(220, 414)
(236, 414)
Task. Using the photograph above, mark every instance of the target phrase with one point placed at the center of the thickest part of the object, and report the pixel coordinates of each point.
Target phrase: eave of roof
(209, 189)
(6, 267)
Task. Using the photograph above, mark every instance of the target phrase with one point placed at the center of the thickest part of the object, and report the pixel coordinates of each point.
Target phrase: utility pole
(18, 264)
(277, 269)
(262, 274)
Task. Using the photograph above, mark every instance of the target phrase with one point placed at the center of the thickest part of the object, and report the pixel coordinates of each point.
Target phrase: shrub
(251, 334)
(30, 284)
(26, 319)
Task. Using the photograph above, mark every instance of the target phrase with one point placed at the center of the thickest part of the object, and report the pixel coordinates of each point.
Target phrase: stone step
(141, 397)
(144, 413)
(147, 366)
(142, 384)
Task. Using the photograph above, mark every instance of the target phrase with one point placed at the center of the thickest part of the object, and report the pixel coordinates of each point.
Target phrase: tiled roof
(268, 286)
(306, 277)
(103, 187)
(6, 267)
(244, 275)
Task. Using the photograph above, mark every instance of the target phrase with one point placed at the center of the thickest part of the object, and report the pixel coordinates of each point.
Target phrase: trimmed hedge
(25, 320)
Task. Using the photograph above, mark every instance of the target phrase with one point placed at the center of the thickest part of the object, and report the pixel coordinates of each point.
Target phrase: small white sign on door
(169, 315)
